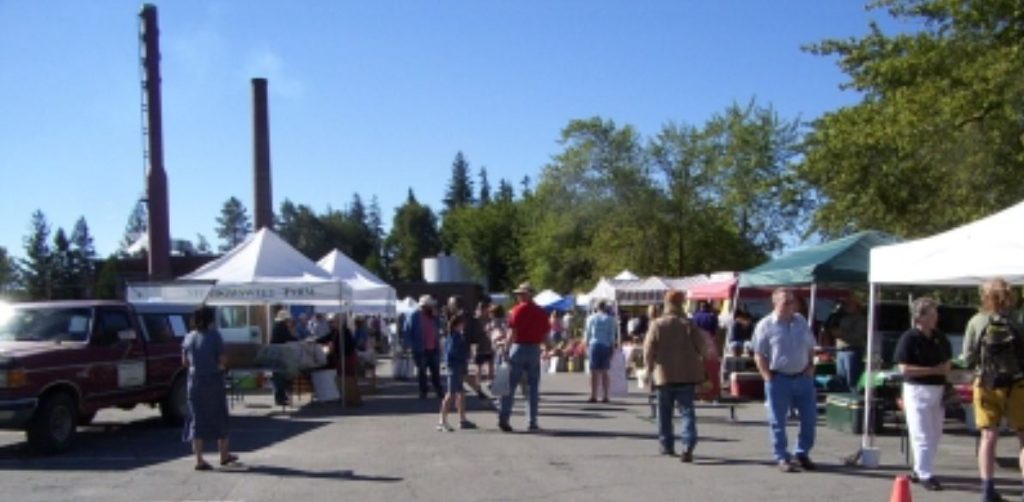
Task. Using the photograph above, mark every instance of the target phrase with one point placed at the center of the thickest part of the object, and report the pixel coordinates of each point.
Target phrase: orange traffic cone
(900, 490)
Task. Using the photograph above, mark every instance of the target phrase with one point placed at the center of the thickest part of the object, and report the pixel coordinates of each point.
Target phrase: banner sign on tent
(236, 294)
(187, 294)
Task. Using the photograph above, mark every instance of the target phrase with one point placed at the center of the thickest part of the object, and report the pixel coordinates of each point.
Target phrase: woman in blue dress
(202, 353)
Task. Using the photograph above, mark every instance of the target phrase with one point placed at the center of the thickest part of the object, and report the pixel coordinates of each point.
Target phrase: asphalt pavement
(388, 449)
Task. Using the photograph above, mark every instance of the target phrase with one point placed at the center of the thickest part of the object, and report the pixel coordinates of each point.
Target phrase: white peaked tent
(964, 256)
(649, 291)
(407, 306)
(990, 247)
(547, 297)
(264, 269)
(626, 275)
(370, 295)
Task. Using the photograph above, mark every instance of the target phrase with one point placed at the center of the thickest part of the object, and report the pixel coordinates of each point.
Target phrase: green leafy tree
(413, 236)
(937, 139)
(37, 266)
(138, 222)
(233, 224)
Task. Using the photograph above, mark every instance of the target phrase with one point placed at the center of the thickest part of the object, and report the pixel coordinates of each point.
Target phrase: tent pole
(867, 437)
(810, 308)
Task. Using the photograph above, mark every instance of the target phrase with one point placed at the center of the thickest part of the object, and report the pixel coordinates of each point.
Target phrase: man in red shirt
(529, 328)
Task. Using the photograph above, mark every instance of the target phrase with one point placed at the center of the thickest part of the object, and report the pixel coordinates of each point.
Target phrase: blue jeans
(282, 388)
(669, 397)
(849, 366)
(783, 393)
(523, 359)
(428, 360)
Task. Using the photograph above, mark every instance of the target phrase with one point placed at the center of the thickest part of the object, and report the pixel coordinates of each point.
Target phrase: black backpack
(1000, 354)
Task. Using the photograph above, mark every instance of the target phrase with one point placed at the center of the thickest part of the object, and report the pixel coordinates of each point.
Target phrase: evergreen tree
(375, 263)
(203, 246)
(36, 267)
(233, 224)
(138, 223)
(485, 187)
(108, 284)
(460, 187)
(357, 211)
(83, 254)
(8, 272)
(506, 192)
(525, 183)
(63, 274)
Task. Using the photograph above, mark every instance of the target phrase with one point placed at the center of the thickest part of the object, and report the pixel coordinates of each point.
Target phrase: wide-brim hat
(283, 315)
(427, 301)
(524, 288)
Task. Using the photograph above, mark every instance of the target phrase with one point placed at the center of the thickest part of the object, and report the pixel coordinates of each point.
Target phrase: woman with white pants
(923, 355)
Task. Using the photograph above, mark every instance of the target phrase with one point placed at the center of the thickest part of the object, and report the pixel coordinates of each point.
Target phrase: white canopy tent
(370, 294)
(407, 306)
(626, 275)
(964, 256)
(547, 297)
(649, 291)
(263, 269)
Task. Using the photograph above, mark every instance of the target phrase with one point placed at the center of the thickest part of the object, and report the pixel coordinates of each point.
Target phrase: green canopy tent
(843, 261)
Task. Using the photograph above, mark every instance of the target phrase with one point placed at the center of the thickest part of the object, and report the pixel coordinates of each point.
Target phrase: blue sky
(371, 97)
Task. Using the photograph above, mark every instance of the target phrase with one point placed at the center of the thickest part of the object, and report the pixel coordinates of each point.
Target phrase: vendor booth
(243, 284)
(964, 256)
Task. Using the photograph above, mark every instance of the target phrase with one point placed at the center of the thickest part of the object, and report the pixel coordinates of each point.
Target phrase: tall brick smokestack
(263, 198)
(156, 178)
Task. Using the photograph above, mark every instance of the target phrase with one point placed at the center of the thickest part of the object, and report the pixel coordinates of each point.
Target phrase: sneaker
(667, 451)
(592, 400)
(787, 466)
(931, 484)
(687, 457)
(505, 427)
(466, 424)
(533, 428)
(605, 401)
(806, 463)
(913, 477)
(992, 497)
(443, 427)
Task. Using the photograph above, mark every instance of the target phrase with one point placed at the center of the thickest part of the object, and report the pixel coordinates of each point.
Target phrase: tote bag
(501, 386)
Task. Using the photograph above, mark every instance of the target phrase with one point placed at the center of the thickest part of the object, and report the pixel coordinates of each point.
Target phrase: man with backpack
(994, 346)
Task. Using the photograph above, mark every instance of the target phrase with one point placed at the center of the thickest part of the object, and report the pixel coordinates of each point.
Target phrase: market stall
(964, 256)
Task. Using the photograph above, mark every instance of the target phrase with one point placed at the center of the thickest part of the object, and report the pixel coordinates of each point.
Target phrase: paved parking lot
(388, 450)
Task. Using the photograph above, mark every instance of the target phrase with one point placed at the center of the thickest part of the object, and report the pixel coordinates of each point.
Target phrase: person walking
(422, 335)
(456, 358)
(784, 354)
(283, 332)
(673, 352)
(528, 325)
(599, 336)
(202, 353)
(923, 355)
(484, 357)
(994, 347)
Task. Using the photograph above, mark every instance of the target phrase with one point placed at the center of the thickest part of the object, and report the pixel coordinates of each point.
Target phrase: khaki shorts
(992, 405)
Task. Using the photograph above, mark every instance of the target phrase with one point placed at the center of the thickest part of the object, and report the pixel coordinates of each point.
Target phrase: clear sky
(371, 97)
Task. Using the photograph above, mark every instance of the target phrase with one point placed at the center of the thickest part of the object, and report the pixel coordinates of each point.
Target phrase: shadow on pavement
(142, 443)
(345, 475)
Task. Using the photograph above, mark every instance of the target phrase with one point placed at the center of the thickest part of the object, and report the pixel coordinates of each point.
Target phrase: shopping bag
(619, 386)
(553, 364)
(501, 386)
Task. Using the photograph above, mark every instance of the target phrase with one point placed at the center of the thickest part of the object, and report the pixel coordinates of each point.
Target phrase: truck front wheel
(174, 406)
(53, 428)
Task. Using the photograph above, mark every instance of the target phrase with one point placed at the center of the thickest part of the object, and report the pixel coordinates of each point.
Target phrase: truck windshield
(45, 324)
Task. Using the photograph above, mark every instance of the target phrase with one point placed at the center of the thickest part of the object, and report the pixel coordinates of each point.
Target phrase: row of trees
(937, 140)
(63, 267)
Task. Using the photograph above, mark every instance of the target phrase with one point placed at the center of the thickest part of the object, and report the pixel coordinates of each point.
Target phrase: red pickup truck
(61, 362)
